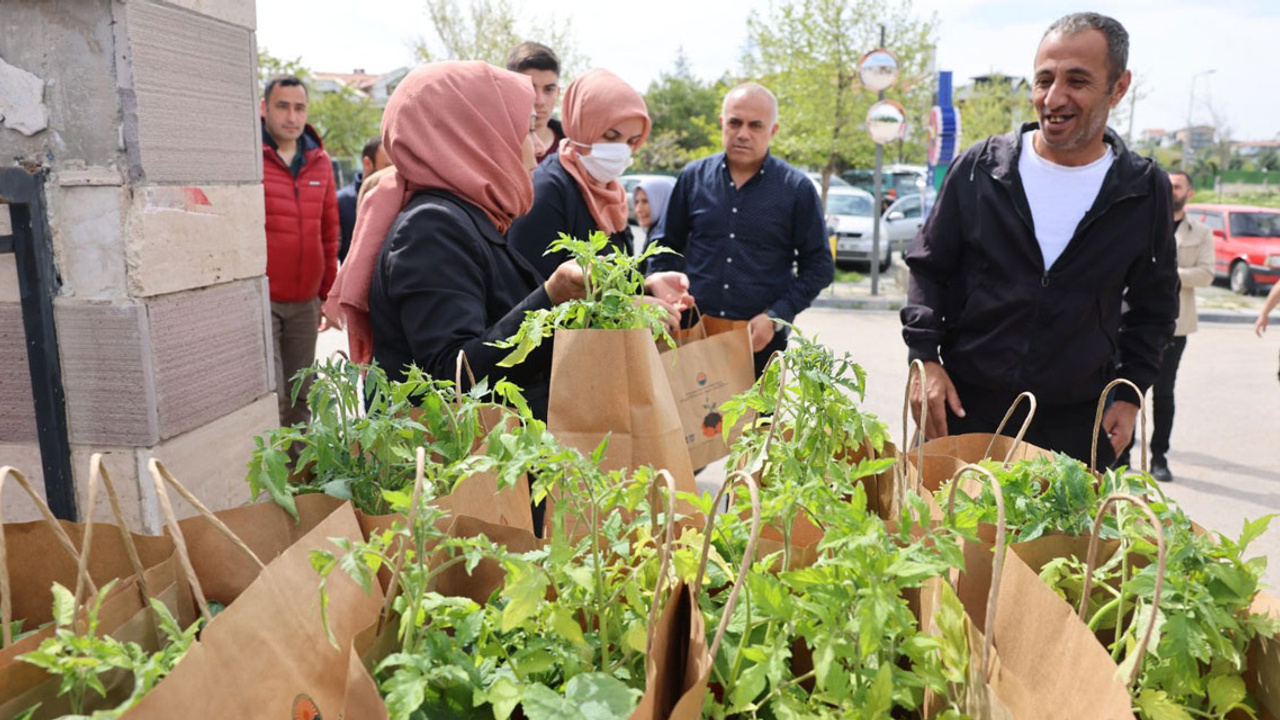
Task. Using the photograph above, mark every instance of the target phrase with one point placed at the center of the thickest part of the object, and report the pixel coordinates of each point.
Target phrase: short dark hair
(371, 149)
(1183, 173)
(283, 81)
(532, 56)
(1111, 29)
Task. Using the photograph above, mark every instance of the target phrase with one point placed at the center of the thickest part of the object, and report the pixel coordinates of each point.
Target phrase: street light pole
(1191, 105)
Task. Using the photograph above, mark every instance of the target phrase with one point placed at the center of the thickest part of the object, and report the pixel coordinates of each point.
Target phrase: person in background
(1035, 239)
(1273, 299)
(302, 235)
(651, 197)
(372, 159)
(577, 191)
(741, 220)
(542, 66)
(1195, 269)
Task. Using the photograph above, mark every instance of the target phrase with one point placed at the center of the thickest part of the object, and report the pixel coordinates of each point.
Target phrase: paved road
(1226, 441)
(1225, 452)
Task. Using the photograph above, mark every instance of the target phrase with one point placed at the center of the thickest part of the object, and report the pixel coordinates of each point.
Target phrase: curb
(895, 304)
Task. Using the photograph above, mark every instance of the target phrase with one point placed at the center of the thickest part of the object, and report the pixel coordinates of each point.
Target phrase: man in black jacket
(1036, 237)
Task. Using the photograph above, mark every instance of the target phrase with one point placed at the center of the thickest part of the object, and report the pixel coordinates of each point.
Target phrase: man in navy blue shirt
(749, 227)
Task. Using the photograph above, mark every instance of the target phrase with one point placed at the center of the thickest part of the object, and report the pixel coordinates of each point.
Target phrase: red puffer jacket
(302, 221)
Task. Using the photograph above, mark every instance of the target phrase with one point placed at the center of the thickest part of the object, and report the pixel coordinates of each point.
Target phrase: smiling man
(1048, 250)
(748, 227)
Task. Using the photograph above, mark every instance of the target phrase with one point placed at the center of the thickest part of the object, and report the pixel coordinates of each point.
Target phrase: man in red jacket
(302, 234)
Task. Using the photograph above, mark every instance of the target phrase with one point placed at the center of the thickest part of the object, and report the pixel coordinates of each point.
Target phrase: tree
(993, 108)
(807, 52)
(685, 113)
(487, 30)
(344, 118)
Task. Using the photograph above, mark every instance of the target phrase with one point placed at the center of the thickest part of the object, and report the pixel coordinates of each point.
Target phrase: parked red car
(1246, 243)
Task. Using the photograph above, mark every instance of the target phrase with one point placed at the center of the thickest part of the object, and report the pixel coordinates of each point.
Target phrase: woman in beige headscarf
(430, 274)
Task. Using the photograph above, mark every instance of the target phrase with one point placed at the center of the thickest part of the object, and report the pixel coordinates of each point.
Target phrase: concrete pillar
(144, 114)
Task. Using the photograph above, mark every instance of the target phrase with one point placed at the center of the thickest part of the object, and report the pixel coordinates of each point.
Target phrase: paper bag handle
(1091, 566)
(98, 474)
(419, 478)
(664, 552)
(747, 558)
(6, 592)
(917, 367)
(997, 567)
(1097, 422)
(460, 364)
(161, 476)
(1022, 431)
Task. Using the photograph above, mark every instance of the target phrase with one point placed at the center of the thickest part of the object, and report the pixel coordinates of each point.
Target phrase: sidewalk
(1214, 304)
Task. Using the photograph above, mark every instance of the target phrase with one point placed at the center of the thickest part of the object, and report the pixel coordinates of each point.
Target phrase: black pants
(1066, 429)
(1161, 401)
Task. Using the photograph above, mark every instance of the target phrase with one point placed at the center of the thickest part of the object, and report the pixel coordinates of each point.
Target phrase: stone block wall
(144, 114)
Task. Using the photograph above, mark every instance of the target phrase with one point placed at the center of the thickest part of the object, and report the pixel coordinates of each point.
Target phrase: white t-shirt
(1059, 196)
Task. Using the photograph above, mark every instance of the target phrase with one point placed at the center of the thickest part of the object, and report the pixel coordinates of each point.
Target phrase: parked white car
(850, 218)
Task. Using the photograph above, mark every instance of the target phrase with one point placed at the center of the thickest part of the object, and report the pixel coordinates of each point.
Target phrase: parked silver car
(902, 220)
(850, 218)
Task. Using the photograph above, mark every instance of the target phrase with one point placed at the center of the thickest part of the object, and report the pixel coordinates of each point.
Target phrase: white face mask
(607, 161)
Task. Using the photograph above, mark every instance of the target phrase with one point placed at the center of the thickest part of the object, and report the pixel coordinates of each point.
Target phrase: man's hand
(672, 316)
(1260, 326)
(762, 331)
(672, 288)
(327, 322)
(566, 283)
(942, 393)
(1118, 422)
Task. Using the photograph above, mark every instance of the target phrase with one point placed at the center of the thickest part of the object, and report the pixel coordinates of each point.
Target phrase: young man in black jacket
(1036, 237)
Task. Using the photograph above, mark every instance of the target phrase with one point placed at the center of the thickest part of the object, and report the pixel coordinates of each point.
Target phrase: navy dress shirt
(761, 247)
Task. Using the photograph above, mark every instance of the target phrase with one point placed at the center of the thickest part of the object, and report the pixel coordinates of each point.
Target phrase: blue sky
(1170, 42)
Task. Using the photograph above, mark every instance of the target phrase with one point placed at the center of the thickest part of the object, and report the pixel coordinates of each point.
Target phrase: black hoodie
(981, 299)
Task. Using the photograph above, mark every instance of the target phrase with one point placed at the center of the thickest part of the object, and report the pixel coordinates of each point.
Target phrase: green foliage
(345, 120)
(848, 609)
(81, 659)
(567, 628)
(993, 108)
(487, 30)
(807, 53)
(1195, 663)
(614, 285)
(368, 456)
(1041, 496)
(685, 112)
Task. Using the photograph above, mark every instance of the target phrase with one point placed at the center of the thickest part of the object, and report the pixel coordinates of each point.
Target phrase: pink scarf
(593, 104)
(452, 126)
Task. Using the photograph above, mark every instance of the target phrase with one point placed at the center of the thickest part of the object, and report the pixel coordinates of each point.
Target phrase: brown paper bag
(1263, 676)
(145, 567)
(1053, 667)
(679, 662)
(612, 383)
(705, 370)
(267, 654)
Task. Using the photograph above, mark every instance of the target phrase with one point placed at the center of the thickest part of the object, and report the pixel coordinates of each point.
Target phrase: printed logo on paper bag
(304, 708)
(702, 378)
(713, 423)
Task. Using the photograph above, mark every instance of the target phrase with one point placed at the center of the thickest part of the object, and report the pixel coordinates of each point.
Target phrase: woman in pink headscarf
(429, 273)
(577, 191)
